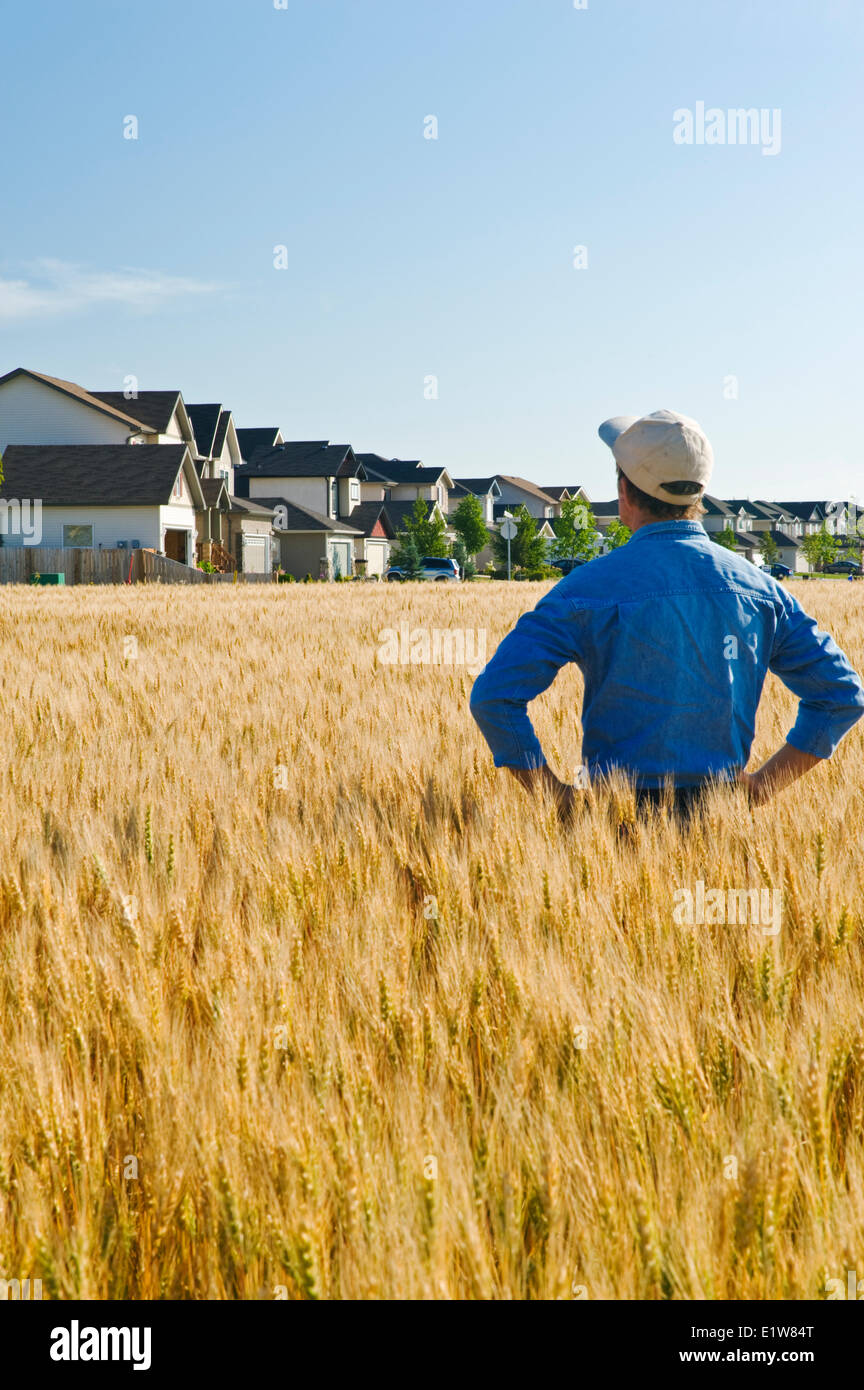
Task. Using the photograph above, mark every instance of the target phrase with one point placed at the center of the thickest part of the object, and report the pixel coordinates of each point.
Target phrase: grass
(300, 998)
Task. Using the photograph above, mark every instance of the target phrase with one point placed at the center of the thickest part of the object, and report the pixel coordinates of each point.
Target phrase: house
(40, 409)
(109, 496)
(500, 511)
(312, 487)
(562, 494)
(398, 480)
(245, 529)
(378, 530)
(517, 492)
(486, 490)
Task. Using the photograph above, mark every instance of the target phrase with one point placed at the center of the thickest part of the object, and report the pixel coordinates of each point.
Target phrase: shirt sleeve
(525, 664)
(813, 667)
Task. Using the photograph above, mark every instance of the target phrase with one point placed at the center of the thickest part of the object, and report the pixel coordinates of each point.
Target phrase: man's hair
(664, 511)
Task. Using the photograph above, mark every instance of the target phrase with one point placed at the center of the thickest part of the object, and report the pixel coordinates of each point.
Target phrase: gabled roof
(306, 459)
(69, 388)
(204, 419)
(477, 487)
(525, 486)
(253, 441)
(783, 538)
(213, 490)
(401, 512)
(304, 519)
(153, 409)
(221, 432)
(366, 516)
(714, 506)
(400, 471)
(805, 511)
(96, 475)
(243, 507)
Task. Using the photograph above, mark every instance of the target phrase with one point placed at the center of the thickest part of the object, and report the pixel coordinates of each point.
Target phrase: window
(78, 537)
(355, 492)
(178, 485)
(334, 497)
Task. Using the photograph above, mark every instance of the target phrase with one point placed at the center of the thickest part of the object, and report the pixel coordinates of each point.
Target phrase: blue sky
(454, 258)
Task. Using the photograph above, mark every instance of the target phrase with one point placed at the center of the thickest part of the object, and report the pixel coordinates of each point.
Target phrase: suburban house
(312, 487)
(109, 496)
(236, 533)
(395, 480)
(40, 410)
(517, 492)
(486, 490)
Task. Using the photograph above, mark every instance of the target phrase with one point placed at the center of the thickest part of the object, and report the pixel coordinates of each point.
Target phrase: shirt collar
(657, 528)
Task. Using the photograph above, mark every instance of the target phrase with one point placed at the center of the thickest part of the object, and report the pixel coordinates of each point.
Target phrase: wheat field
(301, 999)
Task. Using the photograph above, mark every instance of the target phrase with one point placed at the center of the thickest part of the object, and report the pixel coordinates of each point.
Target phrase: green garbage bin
(48, 578)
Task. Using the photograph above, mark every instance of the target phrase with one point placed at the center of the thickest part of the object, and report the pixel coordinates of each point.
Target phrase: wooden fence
(18, 564)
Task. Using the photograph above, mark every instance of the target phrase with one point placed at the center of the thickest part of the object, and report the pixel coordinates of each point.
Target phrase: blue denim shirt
(673, 635)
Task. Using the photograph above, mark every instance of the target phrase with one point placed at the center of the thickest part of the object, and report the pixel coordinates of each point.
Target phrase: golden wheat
(301, 998)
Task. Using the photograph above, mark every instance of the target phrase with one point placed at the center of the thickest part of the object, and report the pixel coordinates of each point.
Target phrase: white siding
(33, 413)
(110, 525)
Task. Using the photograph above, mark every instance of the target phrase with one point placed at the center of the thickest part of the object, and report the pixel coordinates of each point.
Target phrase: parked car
(842, 567)
(567, 565)
(778, 571)
(431, 567)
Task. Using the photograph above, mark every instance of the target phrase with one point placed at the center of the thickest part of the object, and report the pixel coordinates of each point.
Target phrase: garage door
(340, 558)
(376, 557)
(254, 554)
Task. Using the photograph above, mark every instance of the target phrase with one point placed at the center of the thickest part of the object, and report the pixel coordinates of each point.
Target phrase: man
(673, 635)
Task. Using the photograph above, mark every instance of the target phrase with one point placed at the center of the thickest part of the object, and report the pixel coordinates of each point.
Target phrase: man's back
(673, 635)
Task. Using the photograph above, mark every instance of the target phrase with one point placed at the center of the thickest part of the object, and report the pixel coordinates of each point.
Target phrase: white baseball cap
(664, 454)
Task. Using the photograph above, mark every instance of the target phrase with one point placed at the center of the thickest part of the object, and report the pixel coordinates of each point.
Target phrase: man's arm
(785, 767)
(831, 696)
(525, 664)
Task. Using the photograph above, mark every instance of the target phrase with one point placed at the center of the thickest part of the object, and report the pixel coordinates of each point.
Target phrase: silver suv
(430, 568)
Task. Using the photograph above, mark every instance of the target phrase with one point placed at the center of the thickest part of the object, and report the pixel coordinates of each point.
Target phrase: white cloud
(57, 287)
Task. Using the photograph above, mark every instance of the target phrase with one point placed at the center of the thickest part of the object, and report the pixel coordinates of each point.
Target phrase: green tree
(406, 555)
(769, 548)
(576, 536)
(428, 528)
(726, 538)
(820, 548)
(527, 548)
(463, 559)
(617, 534)
(469, 524)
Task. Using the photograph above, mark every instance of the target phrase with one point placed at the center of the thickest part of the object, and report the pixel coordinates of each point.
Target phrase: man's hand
(786, 766)
(565, 796)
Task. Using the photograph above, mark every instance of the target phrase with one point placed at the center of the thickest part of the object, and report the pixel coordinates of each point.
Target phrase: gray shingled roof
(153, 408)
(304, 519)
(305, 459)
(366, 514)
(253, 441)
(92, 475)
(204, 420)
